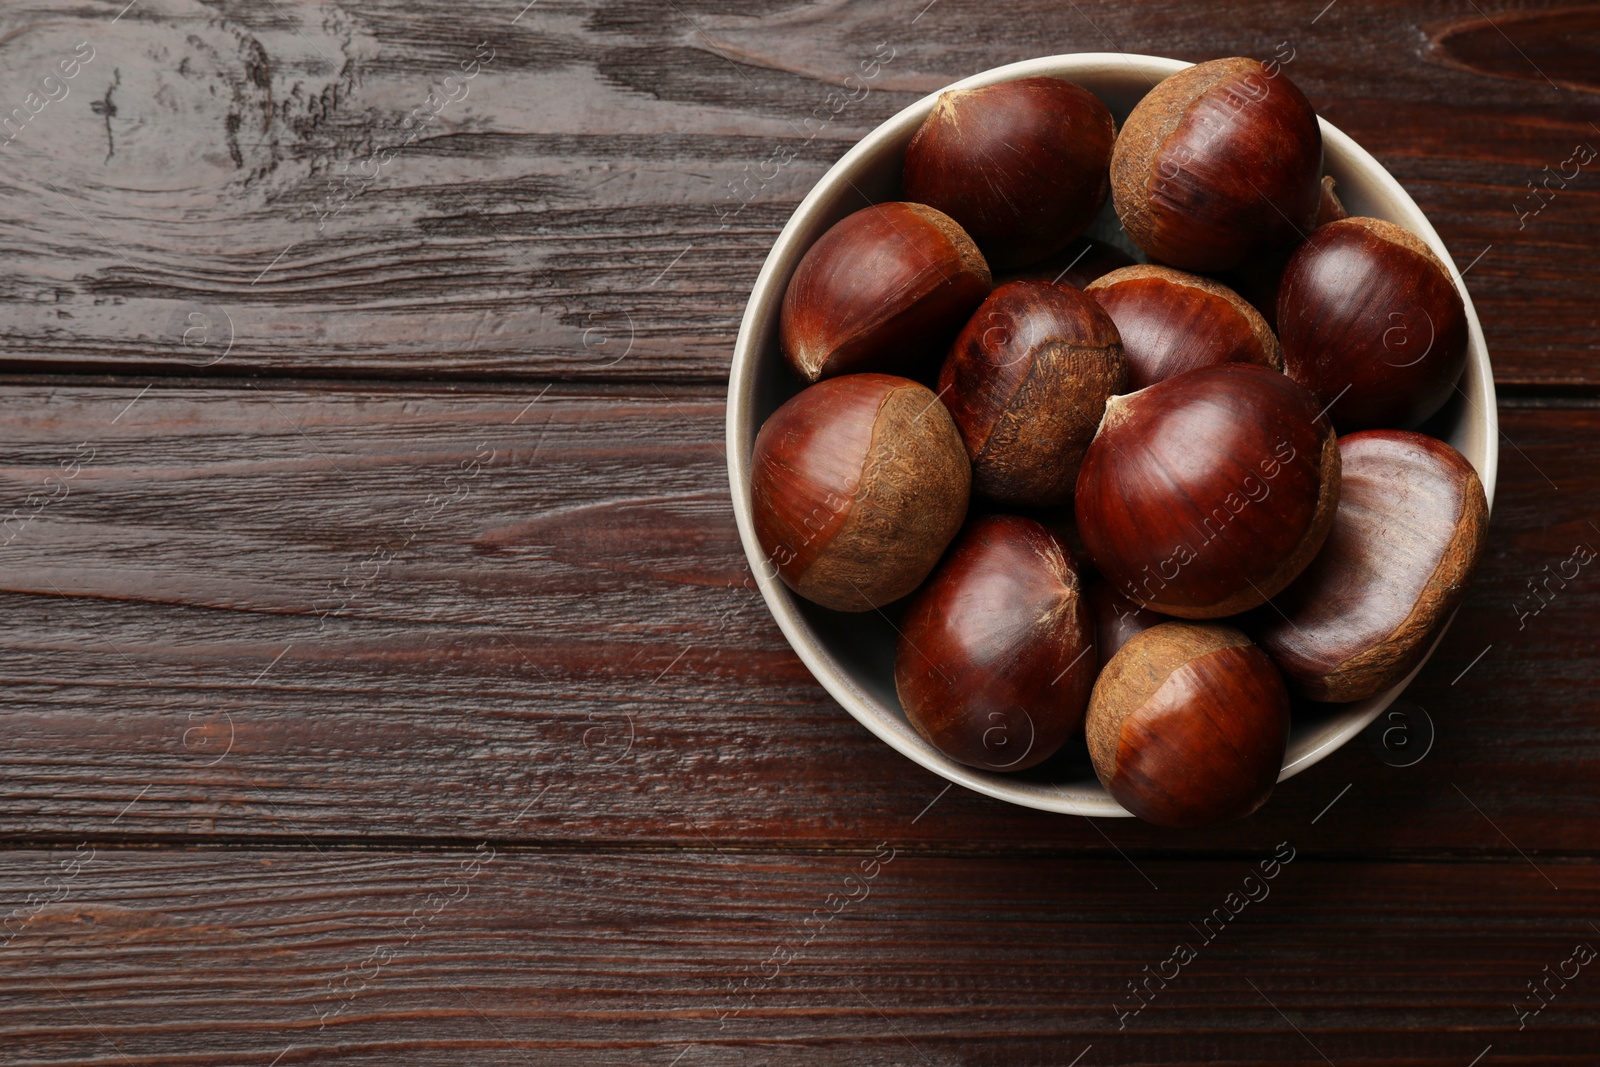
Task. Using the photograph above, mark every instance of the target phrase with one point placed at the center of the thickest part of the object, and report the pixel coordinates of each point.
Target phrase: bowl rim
(766, 295)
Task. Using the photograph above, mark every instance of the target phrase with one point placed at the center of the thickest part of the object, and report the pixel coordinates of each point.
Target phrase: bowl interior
(852, 655)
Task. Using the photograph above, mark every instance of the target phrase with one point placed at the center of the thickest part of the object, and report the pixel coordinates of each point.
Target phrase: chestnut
(996, 652)
(1078, 264)
(882, 290)
(1171, 322)
(1021, 165)
(1116, 619)
(1406, 539)
(1218, 164)
(857, 485)
(1027, 382)
(1372, 323)
(1188, 725)
(1206, 494)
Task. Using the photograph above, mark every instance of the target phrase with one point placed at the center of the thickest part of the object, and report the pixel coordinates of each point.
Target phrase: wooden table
(384, 682)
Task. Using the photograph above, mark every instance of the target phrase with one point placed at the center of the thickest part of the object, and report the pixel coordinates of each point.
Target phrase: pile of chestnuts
(1137, 507)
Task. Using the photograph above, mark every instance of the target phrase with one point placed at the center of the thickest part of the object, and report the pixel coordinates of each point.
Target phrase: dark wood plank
(232, 188)
(485, 956)
(1556, 47)
(404, 614)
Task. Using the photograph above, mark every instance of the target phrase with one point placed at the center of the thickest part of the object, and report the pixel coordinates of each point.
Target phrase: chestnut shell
(1027, 382)
(1372, 323)
(1204, 495)
(996, 653)
(1021, 165)
(1218, 164)
(885, 289)
(1171, 321)
(858, 484)
(1406, 540)
(1188, 725)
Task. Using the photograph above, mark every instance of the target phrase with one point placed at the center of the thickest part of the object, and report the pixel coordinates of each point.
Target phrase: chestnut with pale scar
(1187, 724)
(859, 484)
(1406, 539)
(1027, 383)
(1219, 164)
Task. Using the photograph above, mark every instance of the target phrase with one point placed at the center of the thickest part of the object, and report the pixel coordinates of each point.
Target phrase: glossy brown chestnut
(1206, 494)
(996, 654)
(1027, 382)
(1078, 264)
(1372, 323)
(1116, 619)
(1220, 163)
(1188, 725)
(1171, 322)
(884, 290)
(1405, 542)
(857, 486)
(1021, 165)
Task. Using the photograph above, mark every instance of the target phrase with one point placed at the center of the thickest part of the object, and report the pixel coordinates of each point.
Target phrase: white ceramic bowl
(852, 655)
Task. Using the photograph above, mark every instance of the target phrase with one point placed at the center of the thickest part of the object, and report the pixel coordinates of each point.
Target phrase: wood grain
(370, 699)
(487, 956)
(401, 613)
(227, 189)
(1559, 47)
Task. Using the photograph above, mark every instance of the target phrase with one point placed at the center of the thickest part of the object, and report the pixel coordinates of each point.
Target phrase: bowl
(852, 655)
